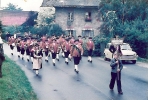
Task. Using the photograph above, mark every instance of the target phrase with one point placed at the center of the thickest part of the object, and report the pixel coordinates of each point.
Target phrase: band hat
(90, 37)
(77, 40)
(79, 36)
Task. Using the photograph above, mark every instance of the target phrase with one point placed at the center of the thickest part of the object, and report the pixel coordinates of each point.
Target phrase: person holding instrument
(116, 67)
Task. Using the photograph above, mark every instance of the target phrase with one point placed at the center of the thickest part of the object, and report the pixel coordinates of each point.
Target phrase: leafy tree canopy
(127, 18)
(12, 7)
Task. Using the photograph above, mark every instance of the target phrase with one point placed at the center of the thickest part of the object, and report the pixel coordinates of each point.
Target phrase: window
(70, 16)
(88, 16)
(88, 33)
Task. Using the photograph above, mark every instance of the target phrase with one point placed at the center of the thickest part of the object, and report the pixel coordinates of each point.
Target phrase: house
(14, 18)
(76, 17)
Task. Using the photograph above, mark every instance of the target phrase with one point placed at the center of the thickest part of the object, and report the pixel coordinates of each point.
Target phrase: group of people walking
(69, 47)
(35, 49)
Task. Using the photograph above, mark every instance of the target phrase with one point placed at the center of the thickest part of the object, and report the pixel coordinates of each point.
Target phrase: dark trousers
(46, 53)
(18, 49)
(66, 54)
(90, 52)
(77, 60)
(117, 77)
(22, 51)
(11, 47)
(53, 55)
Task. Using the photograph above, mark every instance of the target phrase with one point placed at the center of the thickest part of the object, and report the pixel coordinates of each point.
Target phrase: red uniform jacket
(74, 52)
(66, 46)
(90, 45)
(54, 47)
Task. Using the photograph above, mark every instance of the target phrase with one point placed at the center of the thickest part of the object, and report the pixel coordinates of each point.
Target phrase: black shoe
(120, 92)
(53, 64)
(18, 56)
(22, 58)
(57, 59)
(11, 53)
(88, 60)
(77, 71)
(32, 62)
(28, 60)
(67, 63)
(91, 61)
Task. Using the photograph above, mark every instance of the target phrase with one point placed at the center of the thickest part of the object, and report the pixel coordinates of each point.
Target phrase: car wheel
(123, 61)
(134, 61)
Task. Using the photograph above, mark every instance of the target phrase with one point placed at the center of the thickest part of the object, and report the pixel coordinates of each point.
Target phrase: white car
(127, 53)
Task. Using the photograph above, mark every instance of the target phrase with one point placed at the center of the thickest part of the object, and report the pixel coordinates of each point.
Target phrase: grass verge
(143, 60)
(14, 84)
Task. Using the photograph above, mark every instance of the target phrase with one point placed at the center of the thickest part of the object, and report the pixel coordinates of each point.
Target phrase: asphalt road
(60, 82)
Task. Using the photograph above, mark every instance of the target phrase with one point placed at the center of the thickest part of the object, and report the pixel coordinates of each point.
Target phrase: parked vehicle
(127, 53)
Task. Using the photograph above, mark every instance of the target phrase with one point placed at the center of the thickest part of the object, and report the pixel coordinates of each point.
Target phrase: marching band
(35, 49)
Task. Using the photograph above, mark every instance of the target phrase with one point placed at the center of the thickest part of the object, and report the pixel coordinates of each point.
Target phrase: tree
(126, 18)
(30, 22)
(12, 7)
(0, 26)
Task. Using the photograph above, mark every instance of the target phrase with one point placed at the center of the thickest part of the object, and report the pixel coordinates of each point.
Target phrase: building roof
(70, 3)
(13, 17)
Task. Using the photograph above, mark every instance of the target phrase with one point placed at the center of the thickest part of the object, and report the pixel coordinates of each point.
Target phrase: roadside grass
(142, 60)
(14, 84)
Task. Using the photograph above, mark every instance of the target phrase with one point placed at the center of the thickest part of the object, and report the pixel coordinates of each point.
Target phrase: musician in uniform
(32, 50)
(37, 59)
(61, 41)
(28, 48)
(59, 48)
(49, 42)
(90, 47)
(71, 41)
(54, 50)
(23, 46)
(11, 42)
(80, 40)
(18, 44)
(76, 52)
(66, 47)
(46, 50)
(116, 67)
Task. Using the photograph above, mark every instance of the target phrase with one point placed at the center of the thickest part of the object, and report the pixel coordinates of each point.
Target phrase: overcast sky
(26, 5)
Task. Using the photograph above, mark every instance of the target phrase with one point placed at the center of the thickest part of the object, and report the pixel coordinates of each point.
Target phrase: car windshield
(125, 47)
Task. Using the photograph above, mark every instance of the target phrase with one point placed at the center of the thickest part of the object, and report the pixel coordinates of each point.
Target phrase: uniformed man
(66, 47)
(46, 50)
(80, 40)
(61, 41)
(90, 47)
(59, 48)
(28, 44)
(18, 44)
(23, 47)
(76, 52)
(11, 42)
(54, 50)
